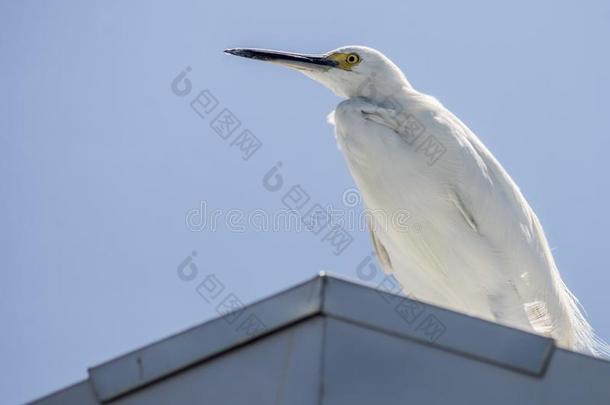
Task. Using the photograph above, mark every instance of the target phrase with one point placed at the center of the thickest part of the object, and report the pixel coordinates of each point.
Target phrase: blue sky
(101, 162)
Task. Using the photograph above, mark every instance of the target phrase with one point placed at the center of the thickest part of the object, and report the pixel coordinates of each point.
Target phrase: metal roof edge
(169, 355)
(439, 327)
(81, 389)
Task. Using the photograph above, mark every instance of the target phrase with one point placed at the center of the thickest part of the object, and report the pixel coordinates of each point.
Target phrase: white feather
(480, 248)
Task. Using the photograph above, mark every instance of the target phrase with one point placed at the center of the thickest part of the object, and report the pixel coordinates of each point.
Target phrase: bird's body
(472, 243)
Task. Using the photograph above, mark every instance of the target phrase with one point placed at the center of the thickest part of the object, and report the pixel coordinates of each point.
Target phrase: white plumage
(478, 246)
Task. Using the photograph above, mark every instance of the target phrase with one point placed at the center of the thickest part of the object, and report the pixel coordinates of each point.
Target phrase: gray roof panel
(427, 333)
(445, 329)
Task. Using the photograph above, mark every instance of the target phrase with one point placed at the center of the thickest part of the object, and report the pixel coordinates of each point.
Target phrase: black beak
(295, 60)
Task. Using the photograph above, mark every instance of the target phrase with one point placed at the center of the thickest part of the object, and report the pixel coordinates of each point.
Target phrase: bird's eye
(352, 58)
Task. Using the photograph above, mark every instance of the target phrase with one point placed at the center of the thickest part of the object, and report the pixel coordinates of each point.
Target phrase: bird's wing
(389, 172)
(487, 202)
(509, 225)
(483, 194)
(467, 167)
(486, 196)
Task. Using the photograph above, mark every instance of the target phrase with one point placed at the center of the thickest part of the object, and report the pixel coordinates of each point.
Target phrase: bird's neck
(387, 94)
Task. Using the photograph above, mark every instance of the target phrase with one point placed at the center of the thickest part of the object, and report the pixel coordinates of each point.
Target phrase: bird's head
(349, 71)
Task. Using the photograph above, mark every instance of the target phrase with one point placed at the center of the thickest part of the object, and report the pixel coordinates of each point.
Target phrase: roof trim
(332, 296)
(157, 360)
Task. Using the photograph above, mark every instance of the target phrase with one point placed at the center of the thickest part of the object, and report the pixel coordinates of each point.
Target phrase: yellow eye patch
(346, 61)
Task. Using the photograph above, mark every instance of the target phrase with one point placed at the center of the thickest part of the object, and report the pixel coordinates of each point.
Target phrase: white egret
(479, 247)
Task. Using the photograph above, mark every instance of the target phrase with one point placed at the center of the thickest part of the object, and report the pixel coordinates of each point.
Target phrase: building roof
(330, 340)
